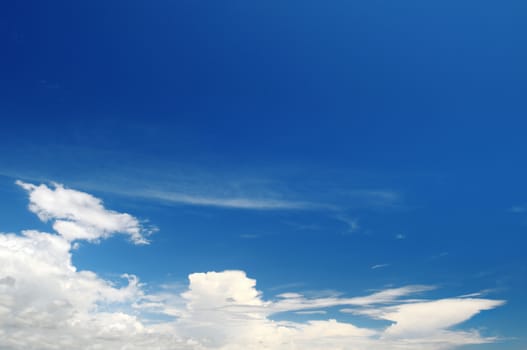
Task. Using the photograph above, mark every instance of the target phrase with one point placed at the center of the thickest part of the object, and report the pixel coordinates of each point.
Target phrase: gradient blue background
(305, 101)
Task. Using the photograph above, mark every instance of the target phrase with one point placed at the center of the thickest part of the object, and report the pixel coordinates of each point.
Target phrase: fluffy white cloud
(79, 215)
(46, 303)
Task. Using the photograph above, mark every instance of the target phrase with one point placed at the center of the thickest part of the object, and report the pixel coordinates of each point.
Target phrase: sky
(285, 175)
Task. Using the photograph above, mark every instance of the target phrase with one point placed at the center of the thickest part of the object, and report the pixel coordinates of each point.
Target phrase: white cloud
(313, 312)
(78, 215)
(429, 317)
(379, 266)
(226, 202)
(351, 223)
(46, 303)
(296, 301)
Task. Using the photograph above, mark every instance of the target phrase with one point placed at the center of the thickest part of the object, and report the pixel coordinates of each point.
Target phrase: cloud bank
(47, 303)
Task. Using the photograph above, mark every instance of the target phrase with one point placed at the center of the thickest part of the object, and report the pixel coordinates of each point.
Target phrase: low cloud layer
(47, 303)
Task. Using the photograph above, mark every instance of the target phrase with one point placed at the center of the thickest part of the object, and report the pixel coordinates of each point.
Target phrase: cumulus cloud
(78, 215)
(46, 303)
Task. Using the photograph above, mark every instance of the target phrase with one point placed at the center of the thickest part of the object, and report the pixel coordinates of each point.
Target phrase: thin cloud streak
(184, 197)
(227, 202)
(379, 266)
(314, 312)
(230, 197)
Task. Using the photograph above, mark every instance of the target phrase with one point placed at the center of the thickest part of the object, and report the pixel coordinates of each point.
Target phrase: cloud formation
(78, 215)
(46, 303)
(228, 202)
(379, 266)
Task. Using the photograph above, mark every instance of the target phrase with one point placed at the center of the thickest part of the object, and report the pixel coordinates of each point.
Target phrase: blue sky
(332, 151)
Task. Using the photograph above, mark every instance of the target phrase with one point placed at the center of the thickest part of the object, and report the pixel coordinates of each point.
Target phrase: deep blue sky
(405, 117)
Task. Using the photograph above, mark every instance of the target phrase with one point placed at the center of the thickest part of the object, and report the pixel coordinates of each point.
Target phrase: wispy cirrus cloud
(379, 266)
(313, 312)
(352, 223)
(259, 198)
(195, 186)
(518, 209)
(251, 203)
